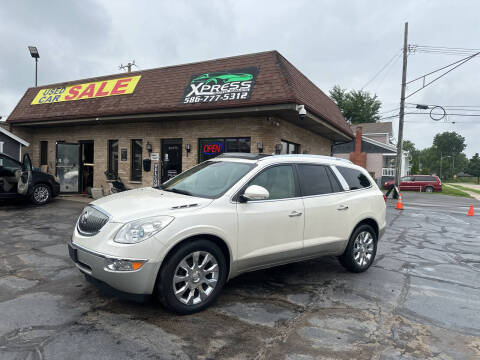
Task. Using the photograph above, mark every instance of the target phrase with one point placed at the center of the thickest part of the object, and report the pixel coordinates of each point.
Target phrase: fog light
(123, 265)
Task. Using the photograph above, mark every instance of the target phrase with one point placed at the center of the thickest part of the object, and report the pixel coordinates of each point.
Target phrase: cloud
(331, 42)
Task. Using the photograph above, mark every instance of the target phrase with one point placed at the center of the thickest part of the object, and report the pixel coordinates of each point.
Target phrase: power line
(459, 63)
(397, 54)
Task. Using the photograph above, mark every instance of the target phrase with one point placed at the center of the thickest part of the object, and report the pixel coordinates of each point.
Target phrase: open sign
(212, 148)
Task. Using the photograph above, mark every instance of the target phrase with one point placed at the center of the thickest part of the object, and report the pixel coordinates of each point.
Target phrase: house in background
(373, 149)
(11, 144)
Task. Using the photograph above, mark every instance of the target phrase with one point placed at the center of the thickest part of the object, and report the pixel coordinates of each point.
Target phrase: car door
(271, 231)
(327, 214)
(25, 181)
(406, 183)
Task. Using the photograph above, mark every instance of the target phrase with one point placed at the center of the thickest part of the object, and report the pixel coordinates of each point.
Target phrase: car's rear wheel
(361, 249)
(41, 194)
(429, 189)
(192, 277)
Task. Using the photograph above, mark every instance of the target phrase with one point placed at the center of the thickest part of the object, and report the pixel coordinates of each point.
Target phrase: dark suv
(427, 183)
(20, 180)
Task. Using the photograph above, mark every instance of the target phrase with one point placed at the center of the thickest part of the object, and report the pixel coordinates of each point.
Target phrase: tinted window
(210, 148)
(8, 163)
(315, 180)
(425, 178)
(136, 160)
(354, 178)
(407, 178)
(113, 156)
(43, 152)
(278, 180)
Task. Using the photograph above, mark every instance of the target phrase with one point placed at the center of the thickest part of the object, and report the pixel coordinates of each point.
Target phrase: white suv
(238, 212)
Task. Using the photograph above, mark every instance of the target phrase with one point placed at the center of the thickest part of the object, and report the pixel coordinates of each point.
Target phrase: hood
(144, 202)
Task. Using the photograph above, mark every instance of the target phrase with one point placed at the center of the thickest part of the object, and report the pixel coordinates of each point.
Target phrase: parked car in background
(426, 183)
(236, 213)
(20, 180)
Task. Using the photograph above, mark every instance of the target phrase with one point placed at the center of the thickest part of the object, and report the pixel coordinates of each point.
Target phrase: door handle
(342, 207)
(295, 213)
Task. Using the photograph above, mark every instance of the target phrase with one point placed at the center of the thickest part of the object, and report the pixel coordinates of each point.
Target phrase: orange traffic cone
(399, 202)
(470, 211)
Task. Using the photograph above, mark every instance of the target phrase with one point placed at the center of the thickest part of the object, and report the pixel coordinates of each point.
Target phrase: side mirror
(255, 192)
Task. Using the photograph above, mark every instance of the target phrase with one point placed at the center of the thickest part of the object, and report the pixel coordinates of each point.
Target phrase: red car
(427, 183)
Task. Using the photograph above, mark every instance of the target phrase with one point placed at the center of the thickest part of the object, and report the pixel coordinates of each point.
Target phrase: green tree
(474, 167)
(449, 143)
(357, 106)
(413, 153)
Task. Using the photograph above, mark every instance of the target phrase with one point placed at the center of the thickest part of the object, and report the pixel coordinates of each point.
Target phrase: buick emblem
(84, 218)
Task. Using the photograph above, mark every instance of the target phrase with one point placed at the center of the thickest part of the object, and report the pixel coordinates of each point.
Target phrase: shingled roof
(160, 91)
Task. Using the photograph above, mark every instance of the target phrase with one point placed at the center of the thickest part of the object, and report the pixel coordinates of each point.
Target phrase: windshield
(210, 179)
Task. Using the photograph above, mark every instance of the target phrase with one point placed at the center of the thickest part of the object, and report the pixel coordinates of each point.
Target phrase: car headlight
(140, 230)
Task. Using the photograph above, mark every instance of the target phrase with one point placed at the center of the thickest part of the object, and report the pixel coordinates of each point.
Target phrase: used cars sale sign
(90, 90)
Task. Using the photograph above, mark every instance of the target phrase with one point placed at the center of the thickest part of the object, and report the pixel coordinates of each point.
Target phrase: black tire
(41, 195)
(347, 259)
(428, 189)
(165, 288)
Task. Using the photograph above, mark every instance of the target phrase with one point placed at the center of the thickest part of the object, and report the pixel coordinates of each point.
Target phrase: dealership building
(149, 125)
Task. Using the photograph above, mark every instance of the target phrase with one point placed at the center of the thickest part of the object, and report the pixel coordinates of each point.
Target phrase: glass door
(171, 158)
(67, 166)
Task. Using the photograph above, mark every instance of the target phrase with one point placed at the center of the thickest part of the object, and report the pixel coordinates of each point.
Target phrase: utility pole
(398, 166)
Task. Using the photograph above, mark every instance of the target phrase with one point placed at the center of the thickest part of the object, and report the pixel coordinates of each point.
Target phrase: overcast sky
(331, 42)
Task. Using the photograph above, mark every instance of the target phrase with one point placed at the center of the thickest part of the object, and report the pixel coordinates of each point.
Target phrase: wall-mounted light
(188, 148)
(149, 147)
(260, 146)
(278, 148)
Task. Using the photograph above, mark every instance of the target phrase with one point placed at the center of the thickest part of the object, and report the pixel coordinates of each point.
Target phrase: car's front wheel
(361, 249)
(192, 277)
(429, 189)
(41, 194)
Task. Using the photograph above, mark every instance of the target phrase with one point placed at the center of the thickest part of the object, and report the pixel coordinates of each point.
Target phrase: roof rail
(314, 157)
(239, 155)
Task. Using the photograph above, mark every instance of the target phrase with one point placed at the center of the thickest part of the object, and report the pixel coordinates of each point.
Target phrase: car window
(408, 178)
(278, 180)
(354, 178)
(315, 180)
(9, 163)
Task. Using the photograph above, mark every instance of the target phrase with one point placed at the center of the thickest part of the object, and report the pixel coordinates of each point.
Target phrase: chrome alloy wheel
(363, 247)
(41, 194)
(195, 277)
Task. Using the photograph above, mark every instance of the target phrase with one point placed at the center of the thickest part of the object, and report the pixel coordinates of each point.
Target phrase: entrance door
(67, 166)
(86, 165)
(171, 158)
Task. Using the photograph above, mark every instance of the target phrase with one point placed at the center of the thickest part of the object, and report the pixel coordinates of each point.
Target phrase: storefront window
(43, 152)
(113, 156)
(289, 147)
(210, 148)
(136, 160)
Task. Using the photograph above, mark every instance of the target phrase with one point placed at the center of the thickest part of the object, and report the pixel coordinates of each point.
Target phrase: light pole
(34, 53)
(441, 159)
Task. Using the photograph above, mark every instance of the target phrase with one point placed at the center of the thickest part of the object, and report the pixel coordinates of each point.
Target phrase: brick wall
(269, 130)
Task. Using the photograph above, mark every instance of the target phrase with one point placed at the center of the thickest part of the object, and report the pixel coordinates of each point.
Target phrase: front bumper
(141, 281)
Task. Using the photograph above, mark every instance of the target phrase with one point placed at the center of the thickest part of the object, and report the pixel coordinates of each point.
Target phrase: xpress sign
(220, 86)
(87, 90)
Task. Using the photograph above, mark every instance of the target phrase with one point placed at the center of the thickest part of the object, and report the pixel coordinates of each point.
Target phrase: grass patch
(450, 190)
(460, 187)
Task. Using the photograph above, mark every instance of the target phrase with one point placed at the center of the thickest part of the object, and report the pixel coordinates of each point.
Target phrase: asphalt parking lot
(421, 298)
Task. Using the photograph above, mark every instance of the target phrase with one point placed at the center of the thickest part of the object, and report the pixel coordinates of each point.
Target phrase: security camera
(302, 112)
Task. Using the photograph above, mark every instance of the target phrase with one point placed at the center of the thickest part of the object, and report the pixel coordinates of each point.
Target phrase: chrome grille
(91, 220)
